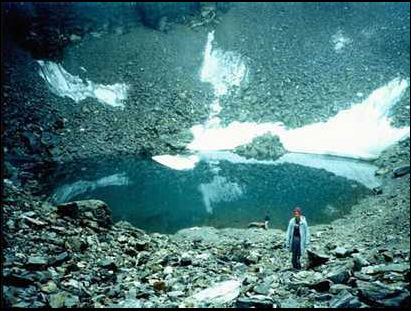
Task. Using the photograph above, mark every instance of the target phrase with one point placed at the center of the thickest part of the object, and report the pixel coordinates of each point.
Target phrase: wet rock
(256, 301)
(316, 259)
(345, 300)
(401, 171)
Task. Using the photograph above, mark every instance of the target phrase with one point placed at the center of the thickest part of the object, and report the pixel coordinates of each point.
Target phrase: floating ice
(178, 162)
(64, 84)
(67, 192)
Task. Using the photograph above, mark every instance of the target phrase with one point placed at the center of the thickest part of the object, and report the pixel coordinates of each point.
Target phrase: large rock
(266, 147)
(379, 295)
(339, 276)
(401, 171)
(379, 269)
(316, 259)
(360, 262)
(37, 263)
(95, 210)
(345, 300)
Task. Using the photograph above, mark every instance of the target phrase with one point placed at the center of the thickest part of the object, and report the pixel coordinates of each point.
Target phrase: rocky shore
(73, 256)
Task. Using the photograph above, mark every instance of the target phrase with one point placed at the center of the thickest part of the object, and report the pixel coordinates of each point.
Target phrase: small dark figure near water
(263, 225)
(298, 237)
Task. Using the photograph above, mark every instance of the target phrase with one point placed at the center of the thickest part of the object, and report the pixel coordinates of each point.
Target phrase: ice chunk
(177, 162)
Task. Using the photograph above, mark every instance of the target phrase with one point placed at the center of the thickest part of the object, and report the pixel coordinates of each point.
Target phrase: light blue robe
(304, 233)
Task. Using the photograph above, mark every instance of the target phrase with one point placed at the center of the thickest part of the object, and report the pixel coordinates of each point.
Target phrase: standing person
(298, 237)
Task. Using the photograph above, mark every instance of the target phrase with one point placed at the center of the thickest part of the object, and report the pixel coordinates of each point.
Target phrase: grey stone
(262, 290)
(401, 171)
(359, 262)
(337, 288)
(316, 259)
(341, 252)
(376, 294)
(339, 276)
(345, 300)
(61, 258)
(92, 209)
(37, 263)
(57, 300)
(108, 264)
(254, 302)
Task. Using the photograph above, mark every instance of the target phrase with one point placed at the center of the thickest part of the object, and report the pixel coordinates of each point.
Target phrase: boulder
(401, 171)
(316, 259)
(342, 252)
(220, 293)
(345, 300)
(37, 263)
(57, 300)
(94, 210)
(360, 262)
(379, 295)
(339, 276)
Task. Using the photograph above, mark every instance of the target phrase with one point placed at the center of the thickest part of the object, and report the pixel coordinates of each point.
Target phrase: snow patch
(63, 84)
(361, 132)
